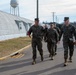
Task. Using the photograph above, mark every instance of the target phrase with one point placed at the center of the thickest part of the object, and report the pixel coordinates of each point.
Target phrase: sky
(62, 8)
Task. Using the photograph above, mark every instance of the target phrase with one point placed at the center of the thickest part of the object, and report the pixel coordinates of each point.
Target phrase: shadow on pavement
(65, 72)
(41, 71)
(21, 61)
(18, 64)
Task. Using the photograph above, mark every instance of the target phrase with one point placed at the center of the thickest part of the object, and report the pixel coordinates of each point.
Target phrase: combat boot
(65, 63)
(42, 58)
(70, 59)
(52, 57)
(34, 62)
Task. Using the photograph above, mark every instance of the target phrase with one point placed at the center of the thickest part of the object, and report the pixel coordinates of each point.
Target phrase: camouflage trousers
(36, 45)
(51, 48)
(68, 49)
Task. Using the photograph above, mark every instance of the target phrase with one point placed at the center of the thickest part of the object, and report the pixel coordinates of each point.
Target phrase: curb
(19, 51)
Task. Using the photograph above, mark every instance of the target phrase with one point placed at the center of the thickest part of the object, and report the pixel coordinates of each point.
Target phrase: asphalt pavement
(23, 66)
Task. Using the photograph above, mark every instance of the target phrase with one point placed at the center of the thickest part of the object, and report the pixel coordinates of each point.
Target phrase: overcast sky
(61, 8)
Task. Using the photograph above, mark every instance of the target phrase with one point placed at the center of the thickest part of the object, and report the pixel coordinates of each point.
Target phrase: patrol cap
(66, 18)
(50, 23)
(53, 23)
(36, 19)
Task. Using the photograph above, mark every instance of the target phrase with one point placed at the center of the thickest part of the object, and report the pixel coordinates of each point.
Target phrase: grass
(12, 45)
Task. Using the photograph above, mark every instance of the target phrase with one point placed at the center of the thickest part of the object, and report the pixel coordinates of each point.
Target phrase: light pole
(37, 9)
(56, 19)
(53, 13)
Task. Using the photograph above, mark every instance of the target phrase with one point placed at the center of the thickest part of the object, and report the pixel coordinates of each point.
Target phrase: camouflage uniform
(51, 37)
(37, 32)
(68, 33)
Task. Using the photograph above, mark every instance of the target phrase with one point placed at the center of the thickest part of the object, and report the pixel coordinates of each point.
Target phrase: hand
(29, 36)
(75, 43)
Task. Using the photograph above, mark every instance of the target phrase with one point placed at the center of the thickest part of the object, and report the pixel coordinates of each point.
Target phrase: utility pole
(53, 13)
(37, 8)
(56, 19)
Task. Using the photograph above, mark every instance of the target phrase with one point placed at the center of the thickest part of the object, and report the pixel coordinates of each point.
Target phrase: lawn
(9, 46)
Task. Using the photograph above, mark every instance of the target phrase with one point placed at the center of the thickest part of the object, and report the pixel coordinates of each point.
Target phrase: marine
(37, 34)
(51, 37)
(68, 31)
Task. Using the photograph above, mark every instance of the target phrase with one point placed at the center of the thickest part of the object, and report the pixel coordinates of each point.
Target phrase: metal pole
(37, 8)
(14, 11)
(10, 9)
(56, 19)
(18, 11)
(53, 15)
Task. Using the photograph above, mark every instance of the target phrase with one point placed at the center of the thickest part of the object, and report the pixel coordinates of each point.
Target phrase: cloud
(46, 7)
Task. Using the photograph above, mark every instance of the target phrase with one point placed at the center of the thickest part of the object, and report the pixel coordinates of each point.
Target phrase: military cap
(66, 18)
(36, 19)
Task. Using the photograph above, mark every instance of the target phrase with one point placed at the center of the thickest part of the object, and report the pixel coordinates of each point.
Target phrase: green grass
(10, 46)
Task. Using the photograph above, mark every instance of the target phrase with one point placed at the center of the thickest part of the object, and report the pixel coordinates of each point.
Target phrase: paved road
(22, 66)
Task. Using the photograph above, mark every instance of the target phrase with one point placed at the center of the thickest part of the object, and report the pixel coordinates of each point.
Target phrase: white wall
(12, 26)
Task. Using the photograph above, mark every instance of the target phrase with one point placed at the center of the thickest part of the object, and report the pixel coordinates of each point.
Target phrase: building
(12, 26)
